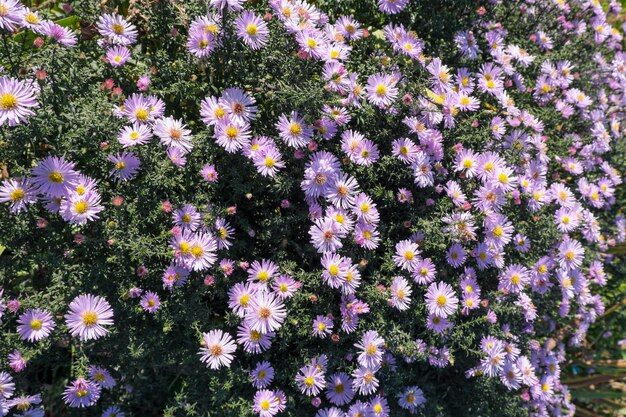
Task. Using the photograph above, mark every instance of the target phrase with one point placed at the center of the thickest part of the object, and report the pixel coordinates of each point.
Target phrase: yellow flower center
(441, 300)
(36, 324)
(515, 279)
(81, 393)
(197, 251)
(117, 28)
(31, 18)
(311, 43)
(81, 207)
(569, 255)
(252, 29)
(219, 112)
(381, 90)
(90, 318)
(333, 270)
(263, 276)
(321, 327)
(80, 189)
(17, 195)
(184, 247)
(408, 255)
(8, 101)
(232, 132)
(498, 231)
(56, 177)
(295, 128)
(269, 162)
(265, 405)
(309, 381)
(141, 114)
(186, 218)
(120, 165)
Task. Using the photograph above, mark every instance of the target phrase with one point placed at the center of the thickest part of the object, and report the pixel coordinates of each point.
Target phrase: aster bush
(334, 208)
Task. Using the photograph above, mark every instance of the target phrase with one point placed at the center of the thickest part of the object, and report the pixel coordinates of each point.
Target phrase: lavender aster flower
(87, 317)
(81, 393)
(17, 100)
(35, 324)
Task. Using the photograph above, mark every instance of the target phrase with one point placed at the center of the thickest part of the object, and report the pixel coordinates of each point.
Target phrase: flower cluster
(399, 219)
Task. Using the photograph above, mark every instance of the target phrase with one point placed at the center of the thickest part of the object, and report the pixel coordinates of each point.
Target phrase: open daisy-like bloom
(116, 29)
(441, 299)
(252, 30)
(81, 393)
(35, 325)
(19, 192)
(217, 349)
(17, 100)
(53, 176)
(88, 316)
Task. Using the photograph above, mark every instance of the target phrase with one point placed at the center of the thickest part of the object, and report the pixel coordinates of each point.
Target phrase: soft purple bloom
(81, 393)
(87, 317)
(35, 324)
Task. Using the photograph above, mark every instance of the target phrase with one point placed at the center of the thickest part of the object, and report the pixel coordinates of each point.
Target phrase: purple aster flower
(253, 341)
(142, 108)
(78, 209)
(113, 411)
(322, 326)
(239, 105)
(16, 361)
(101, 377)
(18, 192)
(176, 156)
(265, 312)
(24, 402)
(17, 99)
(293, 130)
(150, 302)
(392, 6)
(232, 134)
(54, 176)
(371, 347)
(35, 324)
(81, 393)
(252, 30)
(412, 399)
(136, 134)
(571, 254)
(201, 255)
(217, 349)
(265, 403)
(407, 255)
(400, 294)
(262, 272)
(514, 278)
(424, 271)
(116, 30)
(378, 407)
(11, 14)
(310, 380)
(175, 276)
(209, 173)
(126, 165)
(268, 162)
(187, 217)
(326, 235)
(201, 43)
(117, 55)
(381, 90)
(262, 375)
(173, 133)
(284, 286)
(339, 389)
(441, 299)
(87, 317)
(61, 34)
(365, 381)
(7, 386)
